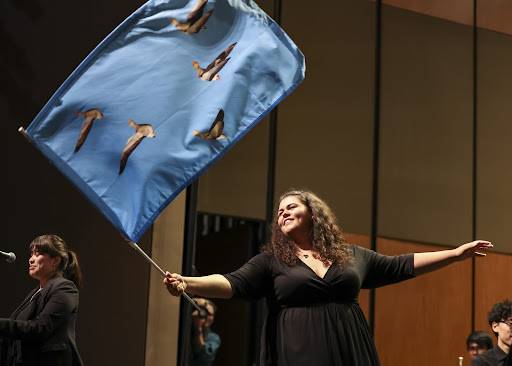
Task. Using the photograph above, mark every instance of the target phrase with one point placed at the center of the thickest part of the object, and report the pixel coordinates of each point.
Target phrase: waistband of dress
(319, 304)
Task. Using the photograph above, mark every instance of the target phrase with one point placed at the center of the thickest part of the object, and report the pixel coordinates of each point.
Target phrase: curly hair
(326, 236)
(500, 311)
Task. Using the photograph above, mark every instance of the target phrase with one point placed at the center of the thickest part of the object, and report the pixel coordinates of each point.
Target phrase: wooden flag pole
(156, 266)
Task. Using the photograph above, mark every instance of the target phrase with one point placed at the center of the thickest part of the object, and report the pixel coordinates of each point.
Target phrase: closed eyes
(289, 207)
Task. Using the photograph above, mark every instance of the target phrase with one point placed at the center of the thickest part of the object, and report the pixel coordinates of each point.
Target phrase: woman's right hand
(175, 283)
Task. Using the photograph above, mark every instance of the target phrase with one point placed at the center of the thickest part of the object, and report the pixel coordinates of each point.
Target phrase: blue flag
(167, 93)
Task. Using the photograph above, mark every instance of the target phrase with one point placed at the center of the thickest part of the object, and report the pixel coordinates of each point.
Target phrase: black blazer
(41, 331)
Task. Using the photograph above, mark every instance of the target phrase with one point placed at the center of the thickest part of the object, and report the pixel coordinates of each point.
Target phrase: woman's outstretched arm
(430, 261)
(212, 286)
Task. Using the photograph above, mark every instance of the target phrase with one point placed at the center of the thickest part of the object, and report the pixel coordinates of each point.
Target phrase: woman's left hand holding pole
(211, 286)
(175, 283)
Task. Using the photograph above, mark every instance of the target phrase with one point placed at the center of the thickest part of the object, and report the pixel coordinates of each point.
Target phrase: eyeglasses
(508, 322)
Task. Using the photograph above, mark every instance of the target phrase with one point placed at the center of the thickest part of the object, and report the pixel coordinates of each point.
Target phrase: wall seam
(376, 147)
(474, 160)
(272, 144)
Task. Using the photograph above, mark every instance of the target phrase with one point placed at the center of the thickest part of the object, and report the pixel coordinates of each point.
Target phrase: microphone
(9, 257)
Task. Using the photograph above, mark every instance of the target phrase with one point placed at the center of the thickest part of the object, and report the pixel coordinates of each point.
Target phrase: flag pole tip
(23, 132)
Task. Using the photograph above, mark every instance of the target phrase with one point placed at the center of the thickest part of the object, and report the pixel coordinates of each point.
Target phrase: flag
(160, 99)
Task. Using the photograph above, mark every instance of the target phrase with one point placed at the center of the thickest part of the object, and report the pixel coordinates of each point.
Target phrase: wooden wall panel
(494, 15)
(163, 309)
(492, 284)
(325, 126)
(425, 173)
(494, 182)
(460, 11)
(423, 321)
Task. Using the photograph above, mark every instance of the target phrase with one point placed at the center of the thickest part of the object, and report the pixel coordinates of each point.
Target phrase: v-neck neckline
(312, 270)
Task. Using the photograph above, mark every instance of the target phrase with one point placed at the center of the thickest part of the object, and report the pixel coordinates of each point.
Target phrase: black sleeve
(254, 279)
(62, 303)
(380, 270)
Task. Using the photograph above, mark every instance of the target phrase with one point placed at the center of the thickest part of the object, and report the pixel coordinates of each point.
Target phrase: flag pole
(23, 132)
(156, 266)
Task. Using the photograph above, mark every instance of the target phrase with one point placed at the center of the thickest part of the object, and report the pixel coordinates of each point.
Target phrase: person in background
(477, 343)
(500, 320)
(41, 331)
(205, 342)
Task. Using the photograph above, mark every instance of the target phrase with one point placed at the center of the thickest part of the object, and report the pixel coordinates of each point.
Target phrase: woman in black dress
(311, 279)
(41, 331)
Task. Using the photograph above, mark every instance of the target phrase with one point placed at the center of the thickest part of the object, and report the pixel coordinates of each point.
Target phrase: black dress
(312, 320)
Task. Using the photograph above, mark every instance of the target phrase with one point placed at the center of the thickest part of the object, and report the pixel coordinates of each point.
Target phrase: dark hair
(55, 246)
(207, 302)
(326, 236)
(500, 311)
(481, 338)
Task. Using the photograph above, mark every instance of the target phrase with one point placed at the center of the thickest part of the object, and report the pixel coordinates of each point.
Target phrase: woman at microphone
(41, 331)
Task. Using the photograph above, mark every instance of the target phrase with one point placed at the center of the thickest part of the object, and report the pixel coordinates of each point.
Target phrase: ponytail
(72, 270)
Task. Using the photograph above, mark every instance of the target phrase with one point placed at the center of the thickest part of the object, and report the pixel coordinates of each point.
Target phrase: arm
(212, 286)
(61, 304)
(251, 281)
(431, 261)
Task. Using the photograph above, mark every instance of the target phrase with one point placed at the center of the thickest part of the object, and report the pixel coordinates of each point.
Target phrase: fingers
(172, 277)
(475, 248)
(482, 245)
(169, 277)
(175, 283)
(479, 246)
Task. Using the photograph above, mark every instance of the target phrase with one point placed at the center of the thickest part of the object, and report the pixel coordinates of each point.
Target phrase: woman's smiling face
(293, 216)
